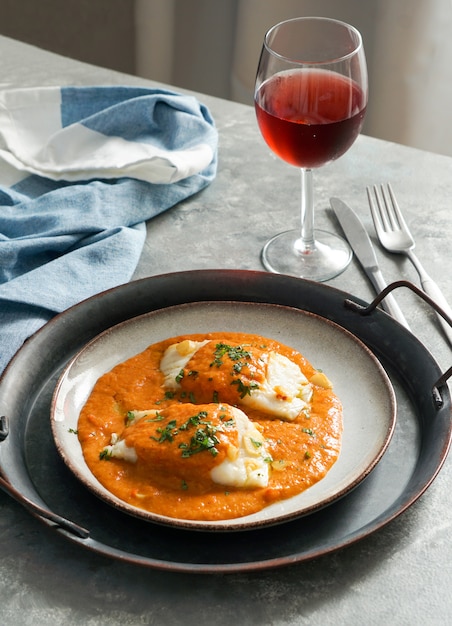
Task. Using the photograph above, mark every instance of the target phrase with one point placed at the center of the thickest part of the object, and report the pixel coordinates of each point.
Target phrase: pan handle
(40, 511)
(367, 310)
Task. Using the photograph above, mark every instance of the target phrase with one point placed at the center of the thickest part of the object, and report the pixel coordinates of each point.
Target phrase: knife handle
(388, 304)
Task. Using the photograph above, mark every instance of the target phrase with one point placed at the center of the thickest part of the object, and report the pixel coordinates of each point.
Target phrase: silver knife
(362, 247)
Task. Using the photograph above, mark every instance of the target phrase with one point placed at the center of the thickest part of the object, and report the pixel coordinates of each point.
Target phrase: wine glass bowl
(310, 102)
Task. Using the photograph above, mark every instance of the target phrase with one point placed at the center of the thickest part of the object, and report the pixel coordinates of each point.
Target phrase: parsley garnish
(235, 353)
(129, 417)
(167, 433)
(194, 420)
(158, 418)
(203, 439)
(239, 356)
(244, 390)
(169, 395)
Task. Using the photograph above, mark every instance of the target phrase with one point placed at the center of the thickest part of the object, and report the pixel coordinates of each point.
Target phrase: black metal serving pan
(34, 474)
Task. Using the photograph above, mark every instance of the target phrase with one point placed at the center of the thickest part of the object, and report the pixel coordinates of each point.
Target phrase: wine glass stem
(306, 244)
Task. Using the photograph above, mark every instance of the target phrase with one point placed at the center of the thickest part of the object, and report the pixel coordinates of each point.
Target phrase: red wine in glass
(309, 117)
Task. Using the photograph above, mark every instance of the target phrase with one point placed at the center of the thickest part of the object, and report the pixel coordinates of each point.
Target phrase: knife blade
(361, 244)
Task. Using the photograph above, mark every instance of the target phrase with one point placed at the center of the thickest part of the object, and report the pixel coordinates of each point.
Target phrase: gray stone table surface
(400, 575)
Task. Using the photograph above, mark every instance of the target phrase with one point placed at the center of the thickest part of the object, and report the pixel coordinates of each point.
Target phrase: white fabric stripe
(77, 152)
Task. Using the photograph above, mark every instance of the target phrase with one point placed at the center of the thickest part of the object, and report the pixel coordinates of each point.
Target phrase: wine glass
(310, 101)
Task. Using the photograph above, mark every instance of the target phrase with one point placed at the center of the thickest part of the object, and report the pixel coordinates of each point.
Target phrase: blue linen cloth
(81, 170)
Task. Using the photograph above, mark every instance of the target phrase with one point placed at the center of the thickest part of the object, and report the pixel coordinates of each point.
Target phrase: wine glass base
(328, 259)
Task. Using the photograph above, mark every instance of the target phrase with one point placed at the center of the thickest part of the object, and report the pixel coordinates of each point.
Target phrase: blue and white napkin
(81, 170)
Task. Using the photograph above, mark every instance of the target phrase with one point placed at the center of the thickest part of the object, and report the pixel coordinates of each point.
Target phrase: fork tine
(375, 209)
(399, 221)
(385, 209)
(389, 217)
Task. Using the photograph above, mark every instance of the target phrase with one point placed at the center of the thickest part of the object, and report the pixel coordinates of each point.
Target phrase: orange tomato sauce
(301, 452)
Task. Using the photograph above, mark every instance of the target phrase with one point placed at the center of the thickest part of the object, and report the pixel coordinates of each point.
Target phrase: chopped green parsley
(244, 390)
(204, 439)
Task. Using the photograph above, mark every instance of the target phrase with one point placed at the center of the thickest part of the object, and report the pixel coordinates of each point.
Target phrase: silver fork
(395, 236)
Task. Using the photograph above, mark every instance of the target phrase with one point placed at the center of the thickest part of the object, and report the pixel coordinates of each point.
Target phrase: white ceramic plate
(358, 380)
